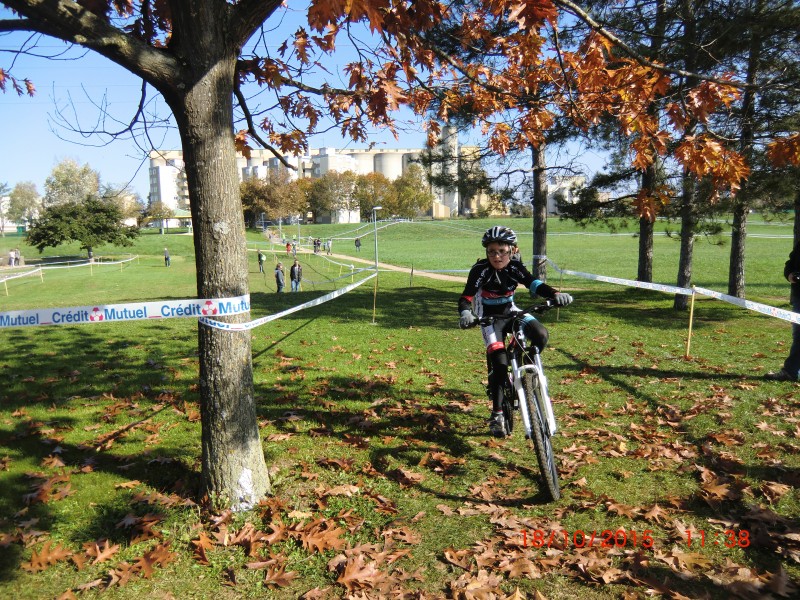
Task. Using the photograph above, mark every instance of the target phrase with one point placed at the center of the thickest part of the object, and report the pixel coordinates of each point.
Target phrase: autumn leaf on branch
(785, 151)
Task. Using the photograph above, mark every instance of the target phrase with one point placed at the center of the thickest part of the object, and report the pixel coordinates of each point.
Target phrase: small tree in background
(70, 182)
(25, 202)
(157, 211)
(91, 223)
(413, 194)
(374, 189)
(4, 189)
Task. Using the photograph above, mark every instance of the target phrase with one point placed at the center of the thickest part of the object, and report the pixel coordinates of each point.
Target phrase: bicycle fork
(544, 402)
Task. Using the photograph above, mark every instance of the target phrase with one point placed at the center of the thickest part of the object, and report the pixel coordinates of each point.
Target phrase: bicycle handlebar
(536, 308)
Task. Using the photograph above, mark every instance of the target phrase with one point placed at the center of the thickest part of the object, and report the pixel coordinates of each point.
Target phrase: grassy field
(385, 482)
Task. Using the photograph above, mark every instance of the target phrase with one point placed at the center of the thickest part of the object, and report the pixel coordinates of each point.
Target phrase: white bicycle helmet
(499, 234)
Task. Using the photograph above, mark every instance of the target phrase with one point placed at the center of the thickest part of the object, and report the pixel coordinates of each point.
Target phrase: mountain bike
(526, 391)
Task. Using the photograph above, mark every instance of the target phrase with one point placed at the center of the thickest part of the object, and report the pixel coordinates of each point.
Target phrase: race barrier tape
(288, 311)
(86, 263)
(109, 313)
(25, 274)
(765, 309)
(335, 279)
(659, 287)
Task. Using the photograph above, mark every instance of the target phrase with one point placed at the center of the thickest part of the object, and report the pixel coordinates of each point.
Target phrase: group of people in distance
(295, 276)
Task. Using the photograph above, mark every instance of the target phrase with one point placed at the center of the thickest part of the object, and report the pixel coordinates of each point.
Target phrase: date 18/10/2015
(620, 538)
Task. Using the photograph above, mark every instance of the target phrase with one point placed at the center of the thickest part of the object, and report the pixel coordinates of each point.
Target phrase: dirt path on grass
(388, 267)
(383, 266)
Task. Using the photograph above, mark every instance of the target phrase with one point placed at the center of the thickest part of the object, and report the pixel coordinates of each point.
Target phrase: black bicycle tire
(541, 441)
(508, 408)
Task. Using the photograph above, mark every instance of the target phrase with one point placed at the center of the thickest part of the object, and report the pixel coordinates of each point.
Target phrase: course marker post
(691, 320)
(6, 285)
(411, 277)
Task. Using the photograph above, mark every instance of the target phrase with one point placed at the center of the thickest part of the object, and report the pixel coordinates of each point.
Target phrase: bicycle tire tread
(541, 441)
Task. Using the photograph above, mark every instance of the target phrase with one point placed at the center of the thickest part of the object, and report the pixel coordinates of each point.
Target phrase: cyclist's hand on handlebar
(467, 319)
(562, 299)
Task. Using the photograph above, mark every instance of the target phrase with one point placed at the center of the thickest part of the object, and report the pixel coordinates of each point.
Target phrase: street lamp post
(375, 209)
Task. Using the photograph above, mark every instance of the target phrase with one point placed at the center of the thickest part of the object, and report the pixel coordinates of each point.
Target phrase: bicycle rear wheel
(541, 438)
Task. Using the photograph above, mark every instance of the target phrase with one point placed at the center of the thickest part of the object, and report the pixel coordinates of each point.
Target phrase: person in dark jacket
(490, 291)
(279, 279)
(296, 276)
(791, 366)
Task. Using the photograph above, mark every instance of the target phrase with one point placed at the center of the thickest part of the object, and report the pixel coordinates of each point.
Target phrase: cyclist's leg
(497, 365)
(536, 333)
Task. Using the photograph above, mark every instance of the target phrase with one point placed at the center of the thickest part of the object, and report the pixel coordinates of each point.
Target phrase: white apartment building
(168, 179)
(566, 187)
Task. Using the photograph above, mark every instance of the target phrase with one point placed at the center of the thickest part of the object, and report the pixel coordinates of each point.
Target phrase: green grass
(640, 424)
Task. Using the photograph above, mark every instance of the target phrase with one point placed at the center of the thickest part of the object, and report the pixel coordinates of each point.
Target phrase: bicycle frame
(515, 350)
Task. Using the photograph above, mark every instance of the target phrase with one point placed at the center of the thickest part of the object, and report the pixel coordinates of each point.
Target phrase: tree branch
(584, 16)
(251, 129)
(69, 21)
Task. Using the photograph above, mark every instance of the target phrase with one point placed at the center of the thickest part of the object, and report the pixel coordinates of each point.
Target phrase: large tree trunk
(796, 226)
(741, 207)
(738, 237)
(688, 228)
(645, 270)
(234, 469)
(647, 225)
(539, 205)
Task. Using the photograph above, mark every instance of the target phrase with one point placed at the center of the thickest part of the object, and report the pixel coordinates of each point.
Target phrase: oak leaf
(47, 556)
(357, 575)
(101, 550)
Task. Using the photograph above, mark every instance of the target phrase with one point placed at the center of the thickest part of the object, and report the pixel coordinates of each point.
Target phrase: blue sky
(34, 139)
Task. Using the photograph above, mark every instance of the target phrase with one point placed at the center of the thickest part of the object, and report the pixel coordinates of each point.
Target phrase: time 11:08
(729, 538)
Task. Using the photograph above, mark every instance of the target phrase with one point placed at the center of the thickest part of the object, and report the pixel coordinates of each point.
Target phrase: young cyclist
(490, 292)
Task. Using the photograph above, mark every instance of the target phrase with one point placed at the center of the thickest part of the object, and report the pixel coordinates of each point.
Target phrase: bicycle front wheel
(508, 406)
(541, 438)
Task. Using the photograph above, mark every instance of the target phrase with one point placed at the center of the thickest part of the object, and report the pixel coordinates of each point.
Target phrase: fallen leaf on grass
(357, 575)
(47, 556)
(199, 547)
(278, 577)
(405, 478)
(100, 550)
(459, 558)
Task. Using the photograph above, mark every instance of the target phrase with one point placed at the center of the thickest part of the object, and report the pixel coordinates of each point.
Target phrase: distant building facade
(168, 178)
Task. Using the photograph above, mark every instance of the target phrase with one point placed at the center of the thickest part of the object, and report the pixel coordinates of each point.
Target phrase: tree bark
(539, 206)
(738, 238)
(688, 227)
(234, 469)
(796, 223)
(645, 270)
(742, 201)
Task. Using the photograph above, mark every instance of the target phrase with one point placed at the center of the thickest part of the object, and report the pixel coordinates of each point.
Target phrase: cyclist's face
(499, 255)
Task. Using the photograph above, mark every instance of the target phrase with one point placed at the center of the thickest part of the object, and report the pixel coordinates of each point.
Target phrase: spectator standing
(261, 259)
(17, 257)
(167, 262)
(11, 257)
(358, 244)
(279, 280)
(328, 245)
(288, 247)
(791, 366)
(296, 275)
